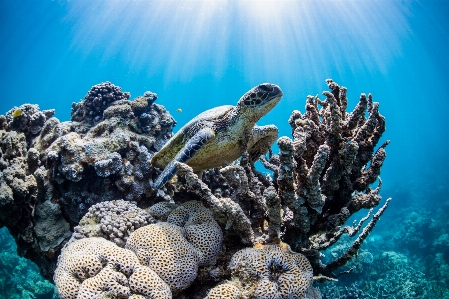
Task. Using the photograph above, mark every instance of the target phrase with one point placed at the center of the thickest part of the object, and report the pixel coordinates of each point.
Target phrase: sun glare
(184, 38)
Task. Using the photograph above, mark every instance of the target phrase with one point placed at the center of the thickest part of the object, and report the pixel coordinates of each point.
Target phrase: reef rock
(52, 171)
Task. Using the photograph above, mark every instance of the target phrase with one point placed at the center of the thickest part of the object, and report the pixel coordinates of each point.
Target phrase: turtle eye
(265, 87)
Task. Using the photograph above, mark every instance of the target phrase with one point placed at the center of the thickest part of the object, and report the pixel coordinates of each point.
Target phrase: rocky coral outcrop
(27, 119)
(52, 171)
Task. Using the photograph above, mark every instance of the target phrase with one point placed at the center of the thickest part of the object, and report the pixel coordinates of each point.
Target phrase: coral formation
(272, 271)
(58, 177)
(96, 268)
(321, 178)
(112, 220)
(52, 172)
(225, 290)
(175, 249)
(98, 99)
(201, 229)
(51, 228)
(164, 248)
(26, 119)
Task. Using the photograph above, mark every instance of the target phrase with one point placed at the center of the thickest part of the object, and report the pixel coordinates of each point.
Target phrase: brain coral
(202, 231)
(164, 248)
(272, 271)
(113, 220)
(226, 290)
(97, 268)
(161, 210)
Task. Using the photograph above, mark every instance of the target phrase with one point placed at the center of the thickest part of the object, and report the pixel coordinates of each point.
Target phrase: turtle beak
(276, 91)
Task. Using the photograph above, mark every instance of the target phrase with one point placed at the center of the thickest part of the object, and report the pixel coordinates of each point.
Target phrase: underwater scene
(224, 149)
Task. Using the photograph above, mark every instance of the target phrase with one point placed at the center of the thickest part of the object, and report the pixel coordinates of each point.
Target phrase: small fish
(179, 110)
(17, 113)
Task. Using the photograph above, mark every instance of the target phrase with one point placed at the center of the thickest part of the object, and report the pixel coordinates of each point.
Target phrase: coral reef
(171, 250)
(390, 275)
(195, 236)
(321, 178)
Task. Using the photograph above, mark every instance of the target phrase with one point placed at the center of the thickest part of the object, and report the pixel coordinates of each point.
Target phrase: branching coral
(321, 178)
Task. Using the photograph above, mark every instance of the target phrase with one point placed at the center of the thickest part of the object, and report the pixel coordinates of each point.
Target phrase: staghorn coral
(94, 267)
(321, 178)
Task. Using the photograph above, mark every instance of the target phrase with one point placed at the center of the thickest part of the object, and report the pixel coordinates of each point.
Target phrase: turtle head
(260, 99)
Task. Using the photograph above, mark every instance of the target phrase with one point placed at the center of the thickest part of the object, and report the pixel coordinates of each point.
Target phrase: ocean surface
(198, 55)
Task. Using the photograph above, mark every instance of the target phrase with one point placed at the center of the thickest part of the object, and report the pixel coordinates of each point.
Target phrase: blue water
(200, 54)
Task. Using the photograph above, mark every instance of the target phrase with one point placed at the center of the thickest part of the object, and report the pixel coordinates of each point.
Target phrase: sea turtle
(214, 137)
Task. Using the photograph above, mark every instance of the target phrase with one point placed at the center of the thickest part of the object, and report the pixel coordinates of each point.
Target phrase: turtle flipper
(184, 155)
